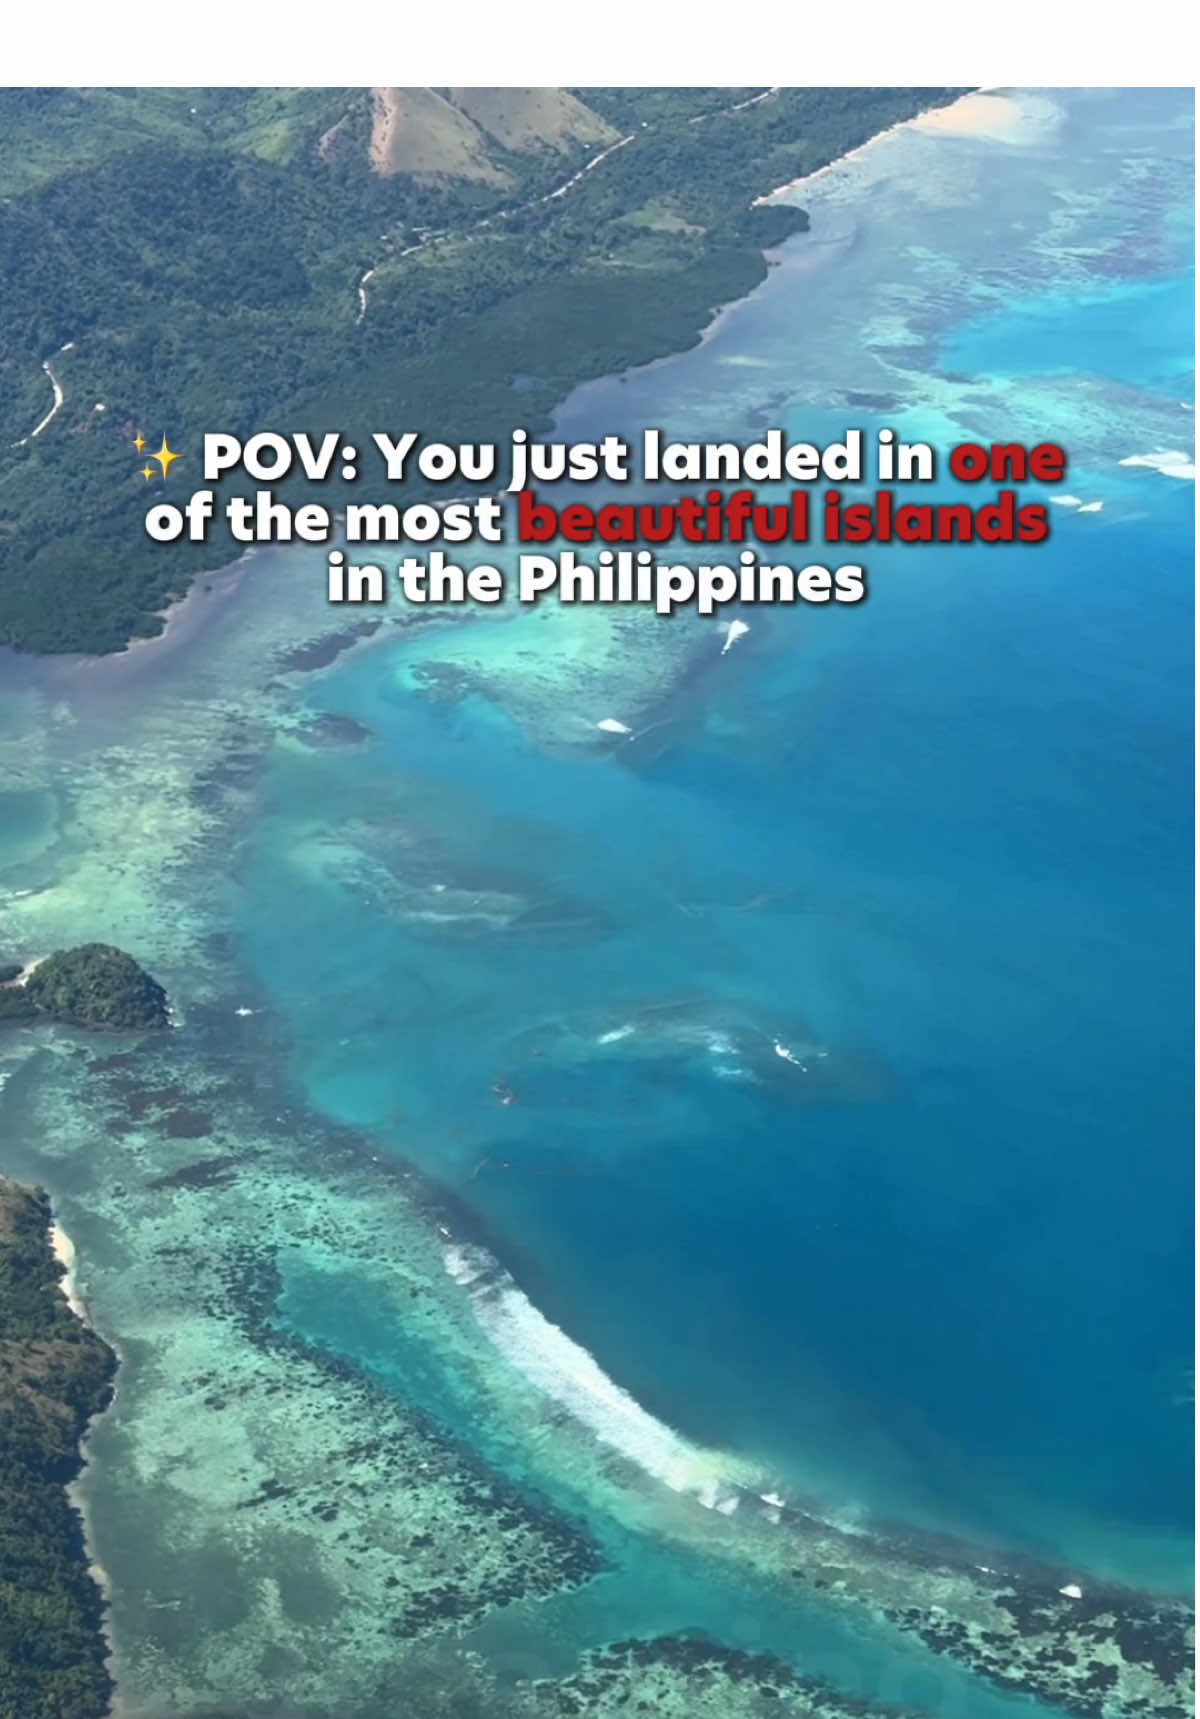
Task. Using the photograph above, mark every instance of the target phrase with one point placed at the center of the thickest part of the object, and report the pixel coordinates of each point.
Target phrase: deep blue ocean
(889, 1187)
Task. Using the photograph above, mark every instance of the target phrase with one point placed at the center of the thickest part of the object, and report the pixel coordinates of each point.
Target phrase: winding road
(550, 196)
(56, 408)
(60, 395)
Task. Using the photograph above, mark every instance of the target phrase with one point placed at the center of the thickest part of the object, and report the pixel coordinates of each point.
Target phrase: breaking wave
(568, 1374)
(1171, 462)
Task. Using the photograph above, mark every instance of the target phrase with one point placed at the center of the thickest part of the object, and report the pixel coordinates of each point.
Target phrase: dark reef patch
(1113, 1650)
(320, 653)
(702, 1667)
(205, 1173)
(331, 729)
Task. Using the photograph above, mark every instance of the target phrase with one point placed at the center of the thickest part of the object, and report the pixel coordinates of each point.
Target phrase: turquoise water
(1142, 333)
(938, 1267)
(27, 816)
(817, 1060)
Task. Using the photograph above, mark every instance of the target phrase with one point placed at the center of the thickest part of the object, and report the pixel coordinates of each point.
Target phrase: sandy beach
(23, 977)
(64, 1253)
(981, 114)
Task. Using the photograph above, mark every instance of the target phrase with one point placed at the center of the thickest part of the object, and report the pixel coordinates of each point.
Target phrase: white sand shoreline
(63, 1249)
(982, 113)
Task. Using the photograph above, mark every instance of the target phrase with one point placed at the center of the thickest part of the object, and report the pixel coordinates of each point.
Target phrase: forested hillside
(55, 1374)
(176, 261)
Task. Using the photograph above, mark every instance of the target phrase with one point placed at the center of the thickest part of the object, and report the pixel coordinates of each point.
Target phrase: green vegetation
(15, 1005)
(94, 985)
(55, 1374)
(228, 232)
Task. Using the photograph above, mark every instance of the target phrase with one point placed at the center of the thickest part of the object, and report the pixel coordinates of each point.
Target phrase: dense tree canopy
(188, 260)
(55, 1374)
(93, 985)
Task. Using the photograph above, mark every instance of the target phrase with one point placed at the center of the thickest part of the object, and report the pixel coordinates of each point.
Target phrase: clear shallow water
(936, 1269)
(1067, 333)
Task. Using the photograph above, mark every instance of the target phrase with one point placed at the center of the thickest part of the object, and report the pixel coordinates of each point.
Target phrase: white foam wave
(64, 1252)
(617, 1033)
(733, 1071)
(1091, 507)
(566, 1373)
(734, 632)
(782, 1050)
(430, 916)
(610, 725)
(1169, 461)
(1067, 500)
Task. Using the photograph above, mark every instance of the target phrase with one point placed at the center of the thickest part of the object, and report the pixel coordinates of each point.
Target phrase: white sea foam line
(734, 1071)
(927, 120)
(781, 1050)
(64, 1253)
(1171, 462)
(565, 1371)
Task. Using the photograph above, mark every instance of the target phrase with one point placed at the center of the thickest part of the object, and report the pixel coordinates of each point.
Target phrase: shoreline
(63, 1249)
(24, 976)
(60, 1383)
(182, 620)
(930, 119)
(186, 615)
(914, 1574)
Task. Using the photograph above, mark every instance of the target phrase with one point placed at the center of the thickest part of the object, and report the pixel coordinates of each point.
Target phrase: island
(93, 985)
(55, 1375)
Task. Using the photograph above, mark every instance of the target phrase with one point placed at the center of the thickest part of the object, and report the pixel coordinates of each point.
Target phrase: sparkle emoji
(139, 441)
(165, 457)
(148, 472)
